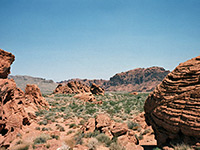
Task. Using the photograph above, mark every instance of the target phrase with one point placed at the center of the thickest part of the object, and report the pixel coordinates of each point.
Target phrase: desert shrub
(45, 129)
(19, 142)
(48, 146)
(78, 138)
(82, 122)
(104, 139)
(22, 147)
(92, 143)
(146, 131)
(40, 112)
(133, 125)
(182, 146)
(92, 134)
(70, 132)
(116, 146)
(140, 137)
(55, 136)
(72, 125)
(41, 139)
(60, 128)
(44, 122)
(157, 148)
(37, 128)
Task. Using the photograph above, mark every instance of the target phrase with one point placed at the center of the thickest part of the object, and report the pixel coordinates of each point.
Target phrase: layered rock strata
(173, 108)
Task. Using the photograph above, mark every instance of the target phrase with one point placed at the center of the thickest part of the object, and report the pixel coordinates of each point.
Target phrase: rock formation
(72, 87)
(87, 97)
(97, 90)
(33, 94)
(136, 80)
(6, 59)
(12, 113)
(15, 108)
(173, 108)
(104, 124)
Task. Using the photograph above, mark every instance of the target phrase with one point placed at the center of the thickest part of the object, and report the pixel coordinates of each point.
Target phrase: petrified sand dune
(173, 108)
(32, 93)
(16, 109)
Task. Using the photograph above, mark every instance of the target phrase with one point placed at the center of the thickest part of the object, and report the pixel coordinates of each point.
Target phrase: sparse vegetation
(116, 146)
(104, 139)
(41, 139)
(182, 146)
(118, 104)
(93, 142)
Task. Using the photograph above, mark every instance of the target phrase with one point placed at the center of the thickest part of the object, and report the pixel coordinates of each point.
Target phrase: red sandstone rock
(32, 92)
(127, 140)
(172, 109)
(97, 90)
(118, 129)
(87, 97)
(72, 87)
(89, 126)
(103, 121)
(15, 109)
(6, 59)
(12, 113)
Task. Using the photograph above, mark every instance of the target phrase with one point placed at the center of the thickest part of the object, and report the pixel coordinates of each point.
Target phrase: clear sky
(63, 39)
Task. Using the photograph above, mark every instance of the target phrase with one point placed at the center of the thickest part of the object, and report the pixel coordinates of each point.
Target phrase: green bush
(72, 125)
(104, 139)
(182, 146)
(41, 139)
(116, 146)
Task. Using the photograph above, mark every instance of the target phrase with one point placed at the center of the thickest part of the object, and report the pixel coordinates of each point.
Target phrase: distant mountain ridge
(46, 86)
(139, 79)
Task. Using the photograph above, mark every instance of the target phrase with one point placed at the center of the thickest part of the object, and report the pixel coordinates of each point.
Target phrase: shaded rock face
(72, 87)
(32, 93)
(6, 59)
(173, 108)
(97, 90)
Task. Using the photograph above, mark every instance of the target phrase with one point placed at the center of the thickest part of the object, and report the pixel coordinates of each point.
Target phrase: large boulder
(6, 59)
(97, 90)
(33, 94)
(86, 97)
(173, 108)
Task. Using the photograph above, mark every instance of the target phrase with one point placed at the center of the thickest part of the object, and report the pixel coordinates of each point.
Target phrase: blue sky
(63, 39)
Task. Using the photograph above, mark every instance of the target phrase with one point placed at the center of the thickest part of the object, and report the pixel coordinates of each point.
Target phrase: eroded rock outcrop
(87, 97)
(109, 127)
(12, 113)
(173, 108)
(6, 59)
(33, 94)
(97, 90)
(72, 87)
(14, 106)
